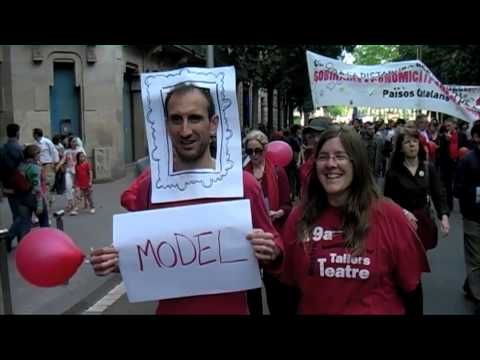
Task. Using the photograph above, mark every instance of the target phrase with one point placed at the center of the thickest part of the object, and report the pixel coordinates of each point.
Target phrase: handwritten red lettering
(200, 249)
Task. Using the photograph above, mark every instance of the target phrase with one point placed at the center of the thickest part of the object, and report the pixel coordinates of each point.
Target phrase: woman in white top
(69, 159)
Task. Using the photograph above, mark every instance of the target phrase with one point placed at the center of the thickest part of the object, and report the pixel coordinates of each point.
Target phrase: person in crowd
(311, 135)
(295, 141)
(13, 185)
(35, 200)
(49, 158)
(412, 182)
(59, 185)
(84, 181)
(374, 149)
(447, 154)
(69, 161)
(467, 190)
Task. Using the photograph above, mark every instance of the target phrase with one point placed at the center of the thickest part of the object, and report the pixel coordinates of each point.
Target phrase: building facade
(93, 91)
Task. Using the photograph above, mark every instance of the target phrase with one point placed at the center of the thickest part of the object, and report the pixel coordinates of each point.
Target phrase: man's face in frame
(191, 130)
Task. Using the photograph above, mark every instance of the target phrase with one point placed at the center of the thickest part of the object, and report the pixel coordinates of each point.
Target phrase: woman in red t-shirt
(83, 181)
(346, 248)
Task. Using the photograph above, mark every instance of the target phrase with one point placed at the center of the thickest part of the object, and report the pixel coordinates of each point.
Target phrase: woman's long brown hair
(362, 192)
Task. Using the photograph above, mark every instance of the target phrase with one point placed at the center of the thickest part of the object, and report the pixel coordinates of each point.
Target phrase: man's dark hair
(37, 132)
(475, 129)
(12, 130)
(184, 88)
(57, 139)
(401, 122)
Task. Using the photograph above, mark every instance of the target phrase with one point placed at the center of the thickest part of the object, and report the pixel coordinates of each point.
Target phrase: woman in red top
(83, 181)
(347, 249)
(281, 299)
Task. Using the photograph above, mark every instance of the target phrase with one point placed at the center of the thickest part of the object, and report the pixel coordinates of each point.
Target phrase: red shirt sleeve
(260, 218)
(408, 256)
(130, 197)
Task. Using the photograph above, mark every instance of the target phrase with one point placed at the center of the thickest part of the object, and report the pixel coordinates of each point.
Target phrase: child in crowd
(83, 181)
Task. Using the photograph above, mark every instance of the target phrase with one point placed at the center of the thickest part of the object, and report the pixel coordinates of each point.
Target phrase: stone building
(93, 91)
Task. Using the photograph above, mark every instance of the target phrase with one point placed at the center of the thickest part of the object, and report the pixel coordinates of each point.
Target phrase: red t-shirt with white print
(332, 281)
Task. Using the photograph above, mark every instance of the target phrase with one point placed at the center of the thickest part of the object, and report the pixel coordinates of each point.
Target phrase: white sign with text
(186, 251)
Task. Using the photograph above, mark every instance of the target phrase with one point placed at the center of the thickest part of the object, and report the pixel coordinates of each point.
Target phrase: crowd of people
(33, 174)
(329, 236)
(342, 229)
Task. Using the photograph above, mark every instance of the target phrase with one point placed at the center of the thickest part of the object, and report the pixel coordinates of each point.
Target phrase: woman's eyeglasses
(339, 158)
(256, 151)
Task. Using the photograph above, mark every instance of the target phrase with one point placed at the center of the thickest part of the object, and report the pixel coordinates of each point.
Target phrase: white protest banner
(186, 251)
(405, 85)
(470, 95)
(224, 178)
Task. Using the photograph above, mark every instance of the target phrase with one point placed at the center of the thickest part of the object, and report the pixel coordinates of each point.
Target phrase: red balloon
(462, 152)
(280, 153)
(47, 257)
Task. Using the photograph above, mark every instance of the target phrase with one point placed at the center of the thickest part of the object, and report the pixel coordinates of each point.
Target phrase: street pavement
(442, 287)
(87, 230)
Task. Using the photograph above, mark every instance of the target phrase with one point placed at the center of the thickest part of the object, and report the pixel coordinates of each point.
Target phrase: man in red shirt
(190, 123)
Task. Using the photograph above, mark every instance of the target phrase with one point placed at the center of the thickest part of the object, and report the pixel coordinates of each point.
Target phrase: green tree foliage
(451, 64)
(280, 67)
(375, 54)
(336, 110)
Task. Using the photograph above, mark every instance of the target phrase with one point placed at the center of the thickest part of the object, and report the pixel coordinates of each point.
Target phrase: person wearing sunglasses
(274, 182)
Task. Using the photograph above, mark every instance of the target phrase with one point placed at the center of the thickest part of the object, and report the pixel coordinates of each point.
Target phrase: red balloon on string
(280, 153)
(462, 152)
(47, 257)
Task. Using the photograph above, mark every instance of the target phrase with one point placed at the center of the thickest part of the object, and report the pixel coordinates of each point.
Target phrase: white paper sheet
(186, 251)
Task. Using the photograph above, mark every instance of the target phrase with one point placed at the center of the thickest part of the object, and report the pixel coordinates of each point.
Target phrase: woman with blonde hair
(276, 189)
